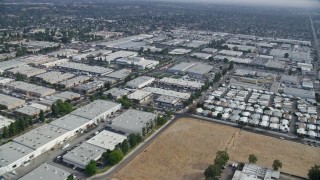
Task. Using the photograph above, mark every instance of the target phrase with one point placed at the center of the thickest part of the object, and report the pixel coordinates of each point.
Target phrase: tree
(109, 96)
(212, 172)
(55, 110)
(91, 168)
(107, 85)
(231, 65)
(5, 132)
(125, 146)
(314, 173)
(115, 157)
(70, 177)
(252, 158)
(221, 159)
(219, 115)
(276, 164)
(41, 116)
(286, 55)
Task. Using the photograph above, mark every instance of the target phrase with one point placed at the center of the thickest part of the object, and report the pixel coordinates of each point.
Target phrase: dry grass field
(188, 146)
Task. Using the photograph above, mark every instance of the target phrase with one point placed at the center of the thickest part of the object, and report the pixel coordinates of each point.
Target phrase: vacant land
(188, 146)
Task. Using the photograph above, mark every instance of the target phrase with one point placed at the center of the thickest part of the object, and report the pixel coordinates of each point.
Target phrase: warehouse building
(14, 155)
(181, 67)
(5, 65)
(199, 70)
(165, 92)
(119, 54)
(181, 83)
(179, 51)
(140, 96)
(209, 50)
(54, 77)
(31, 89)
(54, 63)
(132, 121)
(4, 81)
(11, 102)
(97, 110)
(167, 101)
(117, 93)
(231, 53)
(27, 71)
(74, 124)
(83, 154)
(64, 52)
(74, 81)
(107, 140)
(90, 87)
(119, 75)
(204, 56)
(302, 93)
(85, 69)
(137, 63)
(289, 79)
(140, 82)
(28, 111)
(43, 138)
(47, 172)
(37, 60)
(64, 96)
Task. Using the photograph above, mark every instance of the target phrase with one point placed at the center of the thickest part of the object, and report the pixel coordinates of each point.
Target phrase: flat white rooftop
(70, 122)
(12, 152)
(47, 172)
(107, 140)
(160, 91)
(95, 109)
(181, 82)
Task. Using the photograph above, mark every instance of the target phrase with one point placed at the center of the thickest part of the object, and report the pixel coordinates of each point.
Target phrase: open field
(188, 146)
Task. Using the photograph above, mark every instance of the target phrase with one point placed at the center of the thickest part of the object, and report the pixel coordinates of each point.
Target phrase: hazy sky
(291, 3)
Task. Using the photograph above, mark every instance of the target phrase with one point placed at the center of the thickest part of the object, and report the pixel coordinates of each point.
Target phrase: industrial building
(37, 60)
(4, 81)
(296, 92)
(181, 83)
(107, 140)
(5, 65)
(28, 111)
(165, 92)
(85, 69)
(140, 96)
(74, 81)
(83, 154)
(54, 77)
(10, 102)
(181, 67)
(140, 82)
(197, 70)
(117, 93)
(27, 71)
(47, 172)
(64, 96)
(231, 53)
(252, 171)
(137, 63)
(63, 53)
(289, 79)
(132, 121)
(97, 110)
(167, 101)
(93, 148)
(74, 124)
(30, 89)
(54, 63)
(89, 87)
(179, 51)
(204, 56)
(43, 138)
(14, 155)
(209, 50)
(119, 75)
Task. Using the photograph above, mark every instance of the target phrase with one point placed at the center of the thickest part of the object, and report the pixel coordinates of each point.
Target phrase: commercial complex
(165, 92)
(137, 62)
(11, 102)
(132, 121)
(48, 172)
(181, 83)
(54, 77)
(140, 82)
(30, 89)
(85, 69)
(27, 71)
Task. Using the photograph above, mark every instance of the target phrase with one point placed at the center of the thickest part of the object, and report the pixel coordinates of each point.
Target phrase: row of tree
(16, 127)
(276, 165)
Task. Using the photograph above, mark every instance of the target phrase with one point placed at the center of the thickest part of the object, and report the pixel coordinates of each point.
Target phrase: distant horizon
(280, 3)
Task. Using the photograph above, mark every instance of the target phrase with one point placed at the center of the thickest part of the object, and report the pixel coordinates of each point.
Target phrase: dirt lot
(187, 147)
